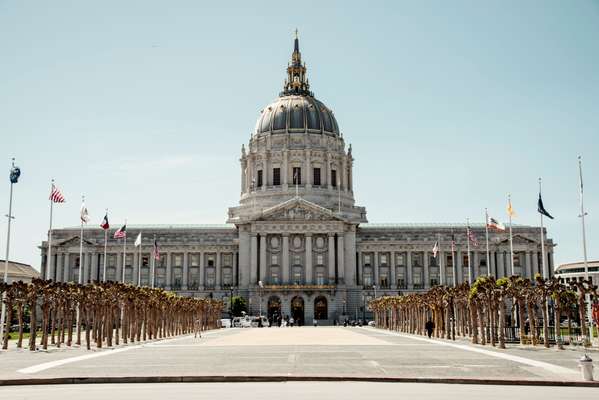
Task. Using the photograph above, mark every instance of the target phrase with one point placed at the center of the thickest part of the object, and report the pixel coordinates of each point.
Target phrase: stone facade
(296, 244)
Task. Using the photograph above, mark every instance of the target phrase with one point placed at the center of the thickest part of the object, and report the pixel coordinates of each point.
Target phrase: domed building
(297, 245)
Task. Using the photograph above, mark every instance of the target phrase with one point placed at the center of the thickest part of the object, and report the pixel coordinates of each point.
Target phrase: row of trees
(480, 311)
(106, 314)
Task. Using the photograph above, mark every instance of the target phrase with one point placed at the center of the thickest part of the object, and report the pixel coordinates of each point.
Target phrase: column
(476, 265)
(393, 271)
(501, 265)
(266, 180)
(410, 282)
(244, 257)
(285, 259)
(550, 265)
(202, 270)
(219, 270)
(284, 171)
(375, 268)
(308, 173)
(85, 270)
(360, 277)
(331, 258)
(309, 272)
(442, 270)
(263, 275)
(66, 271)
(427, 281)
(169, 270)
(135, 266)
(234, 268)
(328, 171)
(492, 266)
(119, 261)
(341, 258)
(349, 260)
(528, 262)
(535, 264)
(343, 176)
(59, 266)
(459, 269)
(253, 258)
(185, 271)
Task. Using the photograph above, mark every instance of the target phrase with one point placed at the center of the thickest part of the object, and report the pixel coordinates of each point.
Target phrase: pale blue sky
(143, 106)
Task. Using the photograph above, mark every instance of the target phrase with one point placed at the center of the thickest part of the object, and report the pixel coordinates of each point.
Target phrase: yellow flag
(510, 210)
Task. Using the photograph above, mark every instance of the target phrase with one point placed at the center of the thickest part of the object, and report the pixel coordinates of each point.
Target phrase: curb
(286, 378)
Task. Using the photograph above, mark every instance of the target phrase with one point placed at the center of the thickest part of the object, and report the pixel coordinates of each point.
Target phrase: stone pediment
(298, 209)
(73, 241)
(519, 239)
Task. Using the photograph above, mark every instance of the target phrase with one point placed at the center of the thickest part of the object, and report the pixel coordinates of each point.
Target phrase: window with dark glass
(316, 179)
(276, 176)
(333, 178)
(259, 178)
(297, 176)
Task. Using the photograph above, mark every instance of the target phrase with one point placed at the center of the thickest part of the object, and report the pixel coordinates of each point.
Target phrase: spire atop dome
(296, 82)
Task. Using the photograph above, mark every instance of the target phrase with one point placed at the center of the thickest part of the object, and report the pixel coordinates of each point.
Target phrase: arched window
(320, 308)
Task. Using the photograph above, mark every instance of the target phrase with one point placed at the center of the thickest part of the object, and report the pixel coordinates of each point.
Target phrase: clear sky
(143, 107)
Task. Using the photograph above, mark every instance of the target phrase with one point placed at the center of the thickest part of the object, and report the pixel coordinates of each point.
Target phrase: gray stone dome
(296, 113)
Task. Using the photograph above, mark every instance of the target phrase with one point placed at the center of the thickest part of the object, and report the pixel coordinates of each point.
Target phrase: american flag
(156, 251)
(121, 232)
(56, 196)
(472, 237)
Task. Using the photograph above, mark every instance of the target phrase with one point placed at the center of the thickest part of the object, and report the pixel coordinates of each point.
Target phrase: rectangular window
(297, 176)
(260, 178)
(333, 178)
(316, 177)
(227, 277)
(194, 260)
(383, 259)
(319, 259)
(276, 176)
(194, 278)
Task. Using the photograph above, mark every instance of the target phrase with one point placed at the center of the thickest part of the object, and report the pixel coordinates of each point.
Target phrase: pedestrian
(429, 326)
(291, 321)
(315, 323)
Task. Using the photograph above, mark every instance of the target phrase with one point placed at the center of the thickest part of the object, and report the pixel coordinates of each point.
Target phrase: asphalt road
(293, 391)
(321, 351)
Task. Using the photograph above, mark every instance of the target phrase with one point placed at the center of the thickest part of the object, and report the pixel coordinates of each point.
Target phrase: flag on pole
(56, 196)
(472, 237)
(436, 249)
(138, 240)
(492, 223)
(84, 214)
(541, 208)
(105, 225)
(156, 251)
(510, 210)
(121, 232)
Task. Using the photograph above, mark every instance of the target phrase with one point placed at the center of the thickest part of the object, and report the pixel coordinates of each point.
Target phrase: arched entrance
(297, 310)
(321, 308)
(274, 309)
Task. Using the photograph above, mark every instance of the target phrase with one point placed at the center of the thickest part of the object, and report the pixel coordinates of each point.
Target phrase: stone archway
(321, 308)
(297, 310)
(274, 309)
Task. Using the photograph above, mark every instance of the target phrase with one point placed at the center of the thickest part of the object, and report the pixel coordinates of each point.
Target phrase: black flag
(541, 209)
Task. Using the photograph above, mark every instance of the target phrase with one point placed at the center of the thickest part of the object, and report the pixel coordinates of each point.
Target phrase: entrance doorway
(320, 308)
(297, 310)
(274, 309)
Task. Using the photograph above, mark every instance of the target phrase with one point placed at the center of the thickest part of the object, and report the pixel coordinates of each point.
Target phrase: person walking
(429, 326)
(291, 321)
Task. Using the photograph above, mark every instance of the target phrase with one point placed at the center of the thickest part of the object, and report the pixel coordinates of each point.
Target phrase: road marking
(556, 369)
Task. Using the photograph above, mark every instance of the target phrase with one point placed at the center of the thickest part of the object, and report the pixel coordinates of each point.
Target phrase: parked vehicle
(225, 323)
(256, 322)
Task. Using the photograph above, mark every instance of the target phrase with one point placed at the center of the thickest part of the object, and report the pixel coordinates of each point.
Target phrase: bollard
(586, 367)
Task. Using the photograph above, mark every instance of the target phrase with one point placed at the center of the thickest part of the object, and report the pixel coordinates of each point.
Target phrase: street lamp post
(260, 286)
(15, 173)
(374, 288)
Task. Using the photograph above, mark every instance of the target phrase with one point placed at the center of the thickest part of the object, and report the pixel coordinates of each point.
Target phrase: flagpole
(105, 248)
(454, 265)
(584, 249)
(509, 199)
(442, 271)
(542, 239)
(487, 239)
(10, 218)
(79, 280)
(153, 260)
(139, 262)
(468, 247)
(124, 255)
(49, 258)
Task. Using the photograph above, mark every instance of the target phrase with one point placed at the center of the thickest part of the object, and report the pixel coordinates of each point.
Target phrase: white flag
(138, 240)
(84, 214)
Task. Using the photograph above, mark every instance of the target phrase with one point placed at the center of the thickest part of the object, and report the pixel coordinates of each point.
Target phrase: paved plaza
(305, 351)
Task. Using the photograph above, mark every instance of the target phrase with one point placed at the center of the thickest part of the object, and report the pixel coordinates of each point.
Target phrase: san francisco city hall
(296, 230)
